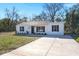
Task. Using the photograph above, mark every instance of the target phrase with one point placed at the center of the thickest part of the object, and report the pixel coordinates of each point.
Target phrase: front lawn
(9, 41)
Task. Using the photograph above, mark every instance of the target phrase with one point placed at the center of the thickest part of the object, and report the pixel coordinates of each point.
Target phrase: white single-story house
(40, 28)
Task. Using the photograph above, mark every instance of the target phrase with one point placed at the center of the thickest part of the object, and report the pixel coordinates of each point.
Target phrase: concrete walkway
(48, 46)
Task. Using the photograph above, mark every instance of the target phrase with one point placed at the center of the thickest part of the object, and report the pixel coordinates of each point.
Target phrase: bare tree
(17, 17)
(25, 18)
(12, 14)
(43, 16)
(52, 9)
(36, 18)
(7, 13)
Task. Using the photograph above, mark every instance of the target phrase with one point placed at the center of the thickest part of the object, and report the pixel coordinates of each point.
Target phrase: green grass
(11, 42)
(77, 38)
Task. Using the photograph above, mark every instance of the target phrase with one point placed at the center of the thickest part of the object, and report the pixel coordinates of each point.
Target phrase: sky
(24, 9)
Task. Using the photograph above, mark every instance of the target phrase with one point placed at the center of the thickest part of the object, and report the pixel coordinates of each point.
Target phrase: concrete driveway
(48, 46)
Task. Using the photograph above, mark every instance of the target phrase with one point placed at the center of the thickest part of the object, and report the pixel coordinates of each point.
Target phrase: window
(40, 29)
(22, 28)
(55, 28)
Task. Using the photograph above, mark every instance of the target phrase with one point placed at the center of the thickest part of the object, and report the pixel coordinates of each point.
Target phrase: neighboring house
(40, 28)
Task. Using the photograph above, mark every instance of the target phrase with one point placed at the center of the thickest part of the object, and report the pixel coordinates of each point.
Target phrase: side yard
(9, 41)
(76, 38)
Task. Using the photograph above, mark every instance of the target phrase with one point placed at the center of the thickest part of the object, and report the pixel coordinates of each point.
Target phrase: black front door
(32, 29)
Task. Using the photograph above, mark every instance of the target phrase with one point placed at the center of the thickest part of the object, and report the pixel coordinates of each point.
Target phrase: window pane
(55, 27)
(21, 28)
(40, 29)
